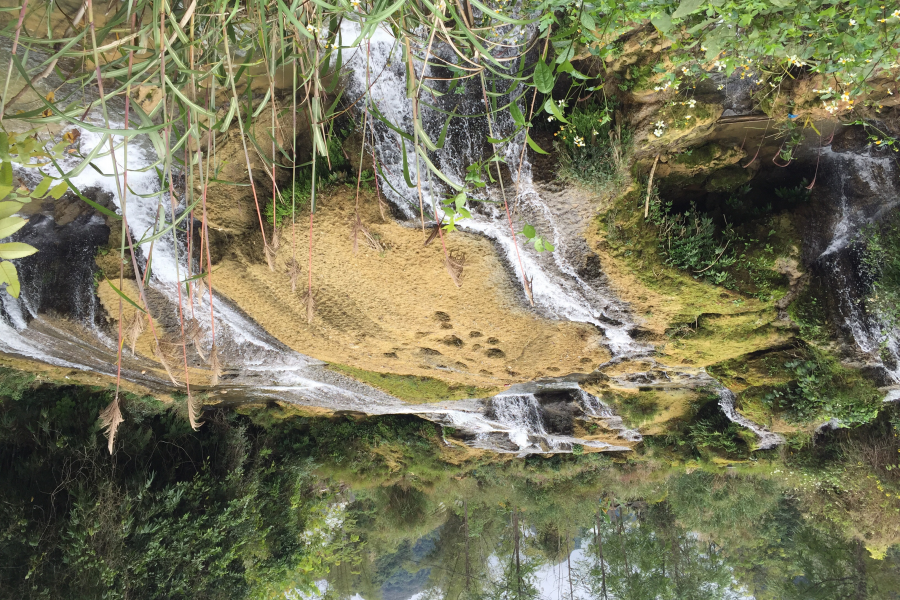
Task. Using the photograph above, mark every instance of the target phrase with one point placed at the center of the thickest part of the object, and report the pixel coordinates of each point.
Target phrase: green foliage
(822, 389)
(881, 259)
(793, 196)
(540, 244)
(228, 512)
(635, 409)
(690, 242)
(296, 198)
(592, 149)
(13, 383)
(809, 312)
(20, 152)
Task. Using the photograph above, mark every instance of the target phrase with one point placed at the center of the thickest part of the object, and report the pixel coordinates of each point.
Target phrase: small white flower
(721, 87)
(312, 28)
(890, 93)
(692, 103)
(658, 132)
(896, 14)
(660, 124)
(845, 97)
(562, 103)
(687, 117)
(852, 23)
(550, 118)
(594, 132)
(579, 141)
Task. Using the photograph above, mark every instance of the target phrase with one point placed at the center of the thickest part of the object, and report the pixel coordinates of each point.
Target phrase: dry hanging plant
(135, 329)
(110, 419)
(164, 361)
(215, 368)
(194, 406)
(195, 334)
(293, 271)
(309, 300)
(528, 288)
(434, 232)
(357, 228)
(455, 261)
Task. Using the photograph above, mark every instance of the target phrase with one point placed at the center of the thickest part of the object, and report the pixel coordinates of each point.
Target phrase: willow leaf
(14, 250)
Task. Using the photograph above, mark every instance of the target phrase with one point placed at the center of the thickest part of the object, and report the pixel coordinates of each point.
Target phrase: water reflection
(710, 537)
(273, 505)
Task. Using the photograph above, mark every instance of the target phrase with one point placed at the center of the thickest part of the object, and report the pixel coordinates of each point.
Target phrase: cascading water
(865, 190)
(260, 367)
(376, 72)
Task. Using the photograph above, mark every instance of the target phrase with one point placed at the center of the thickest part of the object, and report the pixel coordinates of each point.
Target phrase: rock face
(361, 284)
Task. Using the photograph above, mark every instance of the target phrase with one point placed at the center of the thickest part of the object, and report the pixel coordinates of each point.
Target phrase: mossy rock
(728, 179)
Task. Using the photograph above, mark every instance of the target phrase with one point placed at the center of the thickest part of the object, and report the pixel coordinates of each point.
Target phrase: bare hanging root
(110, 419)
(270, 256)
(195, 407)
(310, 300)
(215, 368)
(164, 361)
(195, 334)
(357, 228)
(434, 232)
(293, 271)
(455, 262)
(135, 329)
(528, 288)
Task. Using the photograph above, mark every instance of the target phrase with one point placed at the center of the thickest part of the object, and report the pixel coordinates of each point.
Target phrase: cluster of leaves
(821, 389)
(690, 241)
(22, 150)
(851, 39)
(228, 512)
(591, 149)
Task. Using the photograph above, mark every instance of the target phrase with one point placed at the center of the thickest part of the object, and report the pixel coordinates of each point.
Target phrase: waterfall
(865, 194)
(259, 367)
(766, 439)
(597, 408)
(376, 72)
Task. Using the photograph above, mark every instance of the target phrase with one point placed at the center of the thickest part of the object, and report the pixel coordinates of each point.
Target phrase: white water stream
(258, 366)
(865, 190)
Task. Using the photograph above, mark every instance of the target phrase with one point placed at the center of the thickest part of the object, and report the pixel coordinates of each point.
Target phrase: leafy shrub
(881, 260)
(591, 148)
(822, 389)
(689, 241)
(295, 198)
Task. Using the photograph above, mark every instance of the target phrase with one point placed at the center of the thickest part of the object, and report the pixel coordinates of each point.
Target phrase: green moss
(809, 312)
(698, 157)
(414, 389)
(728, 179)
(636, 409)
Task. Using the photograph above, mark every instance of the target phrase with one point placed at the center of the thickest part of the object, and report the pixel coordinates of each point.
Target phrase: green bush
(588, 154)
(822, 389)
(689, 241)
(295, 198)
(881, 259)
(223, 513)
